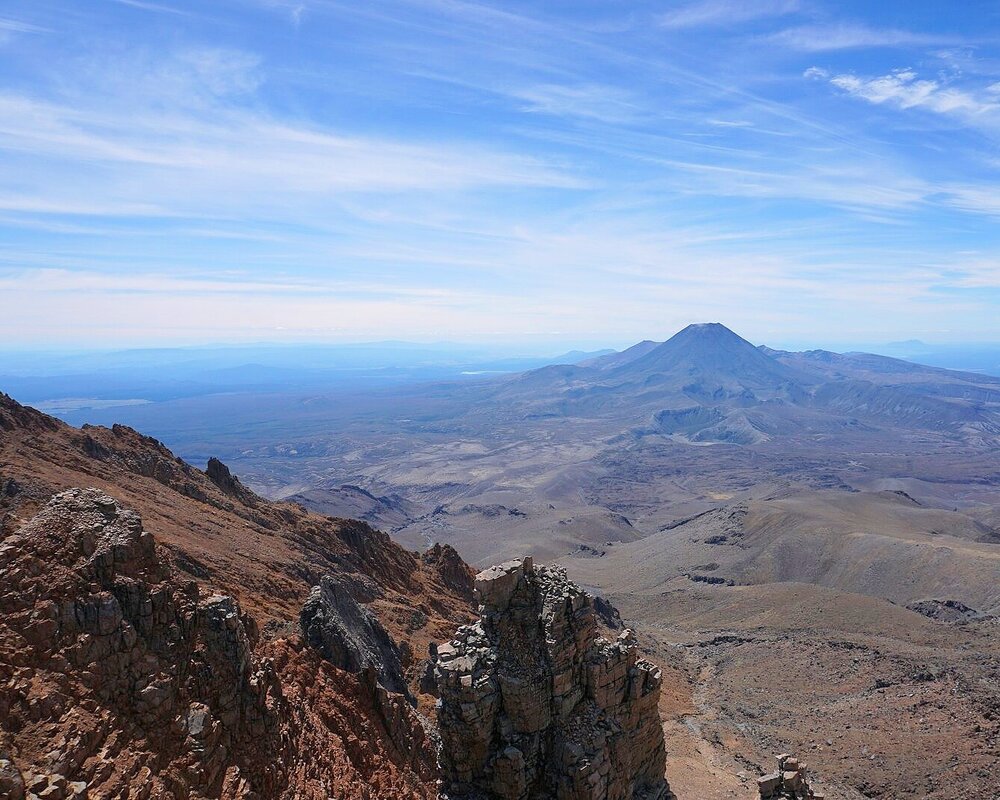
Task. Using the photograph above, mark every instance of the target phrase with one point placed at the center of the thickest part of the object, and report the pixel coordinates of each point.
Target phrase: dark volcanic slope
(704, 358)
(708, 384)
(612, 360)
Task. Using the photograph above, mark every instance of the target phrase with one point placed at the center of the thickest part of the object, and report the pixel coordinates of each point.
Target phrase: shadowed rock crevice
(535, 705)
(348, 635)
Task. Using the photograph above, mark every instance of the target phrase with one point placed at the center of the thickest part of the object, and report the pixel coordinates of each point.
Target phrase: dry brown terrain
(198, 695)
(880, 700)
(608, 450)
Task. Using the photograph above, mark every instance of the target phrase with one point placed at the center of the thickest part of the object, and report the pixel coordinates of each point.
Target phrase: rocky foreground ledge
(533, 703)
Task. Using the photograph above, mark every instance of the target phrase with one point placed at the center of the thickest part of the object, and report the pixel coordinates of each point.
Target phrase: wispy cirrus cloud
(201, 149)
(146, 5)
(981, 198)
(851, 35)
(64, 281)
(584, 167)
(592, 101)
(9, 26)
(712, 13)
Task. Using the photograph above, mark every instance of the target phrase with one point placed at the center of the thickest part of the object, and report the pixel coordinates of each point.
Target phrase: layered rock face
(350, 637)
(129, 669)
(120, 678)
(533, 704)
(99, 645)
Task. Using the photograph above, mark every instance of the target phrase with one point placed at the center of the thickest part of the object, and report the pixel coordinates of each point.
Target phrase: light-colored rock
(789, 781)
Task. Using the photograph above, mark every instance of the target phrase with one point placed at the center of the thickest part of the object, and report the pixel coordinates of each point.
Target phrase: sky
(580, 173)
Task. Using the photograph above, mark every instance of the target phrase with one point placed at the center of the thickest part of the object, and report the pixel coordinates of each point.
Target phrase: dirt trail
(700, 763)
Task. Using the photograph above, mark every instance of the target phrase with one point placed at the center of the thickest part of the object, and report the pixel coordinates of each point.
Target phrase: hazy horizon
(76, 384)
(538, 346)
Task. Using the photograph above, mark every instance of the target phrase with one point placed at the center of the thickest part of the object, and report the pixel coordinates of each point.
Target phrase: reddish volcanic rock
(149, 641)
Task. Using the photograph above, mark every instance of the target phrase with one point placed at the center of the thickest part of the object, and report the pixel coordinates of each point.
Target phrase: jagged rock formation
(219, 474)
(790, 781)
(454, 572)
(533, 704)
(119, 678)
(351, 638)
(95, 634)
(348, 635)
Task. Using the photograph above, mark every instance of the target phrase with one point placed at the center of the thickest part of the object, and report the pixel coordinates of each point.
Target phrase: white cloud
(844, 36)
(187, 190)
(725, 12)
(63, 281)
(902, 88)
(981, 199)
(188, 139)
(155, 7)
(859, 186)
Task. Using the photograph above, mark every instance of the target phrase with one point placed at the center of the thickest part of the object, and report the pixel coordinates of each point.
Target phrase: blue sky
(580, 172)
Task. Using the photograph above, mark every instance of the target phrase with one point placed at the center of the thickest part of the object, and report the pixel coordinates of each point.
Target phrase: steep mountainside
(706, 384)
(149, 630)
(617, 359)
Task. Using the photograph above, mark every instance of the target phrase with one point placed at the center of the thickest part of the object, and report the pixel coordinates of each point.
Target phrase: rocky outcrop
(533, 704)
(945, 610)
(789, 782)
(193, 694)
(219, 474)
(348, 635)
(118, 677)
(99, 650)
(455, 573)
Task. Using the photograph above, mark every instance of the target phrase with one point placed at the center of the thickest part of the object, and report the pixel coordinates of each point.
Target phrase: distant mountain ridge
(707, 384)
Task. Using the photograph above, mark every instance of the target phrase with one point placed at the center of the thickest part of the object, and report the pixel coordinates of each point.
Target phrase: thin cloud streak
(155, 7)
(849, 36)
(904, 89)
(724, 13)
